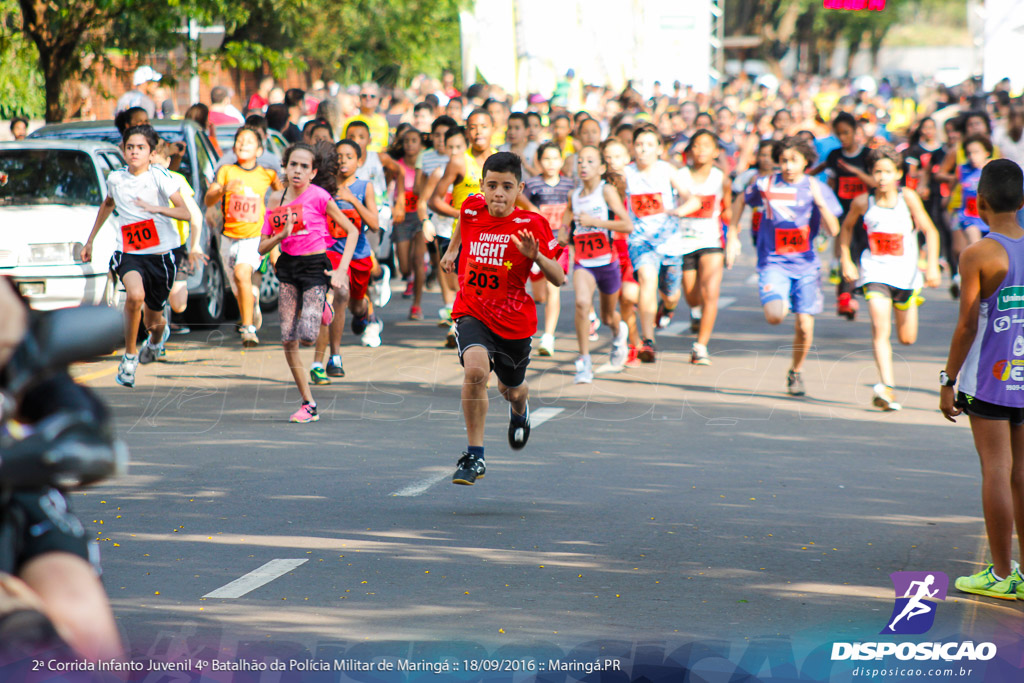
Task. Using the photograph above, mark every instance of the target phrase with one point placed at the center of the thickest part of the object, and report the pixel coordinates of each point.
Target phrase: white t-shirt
(154, 186)
(529, 156)
(1014, 151)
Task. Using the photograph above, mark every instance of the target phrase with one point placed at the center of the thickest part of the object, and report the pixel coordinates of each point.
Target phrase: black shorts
(989, 411)
(509, 357)
(902, 299)
(182, 265)
(157, 271)
(691, 260)
(304, 272)
(39, 521)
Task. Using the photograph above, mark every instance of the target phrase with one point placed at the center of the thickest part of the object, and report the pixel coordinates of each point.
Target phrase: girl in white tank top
(597, 211)
(889, 272)
(700, 239)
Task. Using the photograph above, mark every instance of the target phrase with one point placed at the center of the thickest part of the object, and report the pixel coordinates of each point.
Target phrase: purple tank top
(994, 368)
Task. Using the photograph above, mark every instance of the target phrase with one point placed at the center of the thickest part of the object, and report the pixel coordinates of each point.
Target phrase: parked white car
(50, 192)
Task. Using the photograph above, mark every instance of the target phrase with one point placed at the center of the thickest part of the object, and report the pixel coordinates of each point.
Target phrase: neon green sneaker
(985, 583)
(1019, 578)
(319, 376)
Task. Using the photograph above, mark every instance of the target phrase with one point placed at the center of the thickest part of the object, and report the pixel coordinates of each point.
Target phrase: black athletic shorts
(691, 260)
(304, 272)
(509, 357)
(157, 271)
(39, 521)
(989, 411)
(902, 299)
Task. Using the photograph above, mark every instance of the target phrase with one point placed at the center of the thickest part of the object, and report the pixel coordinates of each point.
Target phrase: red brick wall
(111, 83)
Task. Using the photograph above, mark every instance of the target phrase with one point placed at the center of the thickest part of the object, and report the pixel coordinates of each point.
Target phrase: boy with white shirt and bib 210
(143, 199)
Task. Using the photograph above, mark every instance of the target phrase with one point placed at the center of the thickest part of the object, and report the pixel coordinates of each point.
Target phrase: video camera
(54, 432)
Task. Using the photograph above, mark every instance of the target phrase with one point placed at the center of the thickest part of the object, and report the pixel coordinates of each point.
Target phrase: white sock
(623, 332)
(696, 312)
(317, 366)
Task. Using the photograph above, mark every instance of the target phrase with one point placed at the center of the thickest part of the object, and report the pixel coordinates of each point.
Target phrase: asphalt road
(665, 502)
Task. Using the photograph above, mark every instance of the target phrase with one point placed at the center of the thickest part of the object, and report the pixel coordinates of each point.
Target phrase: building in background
(527, 46)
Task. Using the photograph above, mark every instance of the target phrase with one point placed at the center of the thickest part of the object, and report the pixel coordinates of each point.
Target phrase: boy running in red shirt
(495, 317)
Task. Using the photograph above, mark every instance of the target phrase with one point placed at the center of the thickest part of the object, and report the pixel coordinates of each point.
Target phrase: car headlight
(57, 252)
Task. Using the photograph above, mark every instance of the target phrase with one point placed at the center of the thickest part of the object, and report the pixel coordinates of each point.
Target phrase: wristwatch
(945, 380)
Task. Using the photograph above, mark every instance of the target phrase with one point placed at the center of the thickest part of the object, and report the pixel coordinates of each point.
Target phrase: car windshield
(48, 176)
(111, 135)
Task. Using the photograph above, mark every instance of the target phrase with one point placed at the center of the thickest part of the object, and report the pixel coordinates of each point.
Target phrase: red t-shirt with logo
(492, 272)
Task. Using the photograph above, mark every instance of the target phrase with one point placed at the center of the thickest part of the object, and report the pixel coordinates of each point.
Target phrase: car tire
(208, 308)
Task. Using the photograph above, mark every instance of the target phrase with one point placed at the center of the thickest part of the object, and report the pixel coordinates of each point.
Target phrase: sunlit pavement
(666, 501)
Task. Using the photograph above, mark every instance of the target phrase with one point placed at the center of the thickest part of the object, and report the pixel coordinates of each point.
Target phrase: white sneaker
(584, 370)
(547, 345)
(384, 287)
(620, 349)
(699, 355)
(885, 398)
(371, 335)
(148, 352)
(126, 371)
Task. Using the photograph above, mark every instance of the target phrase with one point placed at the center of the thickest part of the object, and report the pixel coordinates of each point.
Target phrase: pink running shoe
(306, 413)
(328, 314)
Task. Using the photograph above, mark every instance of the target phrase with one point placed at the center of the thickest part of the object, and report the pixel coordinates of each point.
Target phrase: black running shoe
(359, 323)
(470, 468)
(334, 367)
(518, 432)
(794, 383)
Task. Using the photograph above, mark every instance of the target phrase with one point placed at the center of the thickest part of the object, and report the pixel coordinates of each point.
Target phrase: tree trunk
(53, 64)
(851, 55)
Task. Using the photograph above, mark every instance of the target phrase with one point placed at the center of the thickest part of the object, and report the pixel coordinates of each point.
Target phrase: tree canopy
(386, 39)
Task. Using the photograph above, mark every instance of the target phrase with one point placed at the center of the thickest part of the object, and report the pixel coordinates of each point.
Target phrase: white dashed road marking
(256, 578)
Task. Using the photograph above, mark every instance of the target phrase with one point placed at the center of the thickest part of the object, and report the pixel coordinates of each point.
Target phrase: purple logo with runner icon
(916, 593)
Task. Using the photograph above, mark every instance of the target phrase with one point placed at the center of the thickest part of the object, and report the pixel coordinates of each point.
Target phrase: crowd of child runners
(641, 202)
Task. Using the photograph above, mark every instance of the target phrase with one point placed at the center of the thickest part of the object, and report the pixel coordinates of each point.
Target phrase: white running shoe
(584, 370)
(620, 348)
(384, 287)
(371, 335)
(885, 398)
(148, 352)
(126, 371)
(547, 345)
